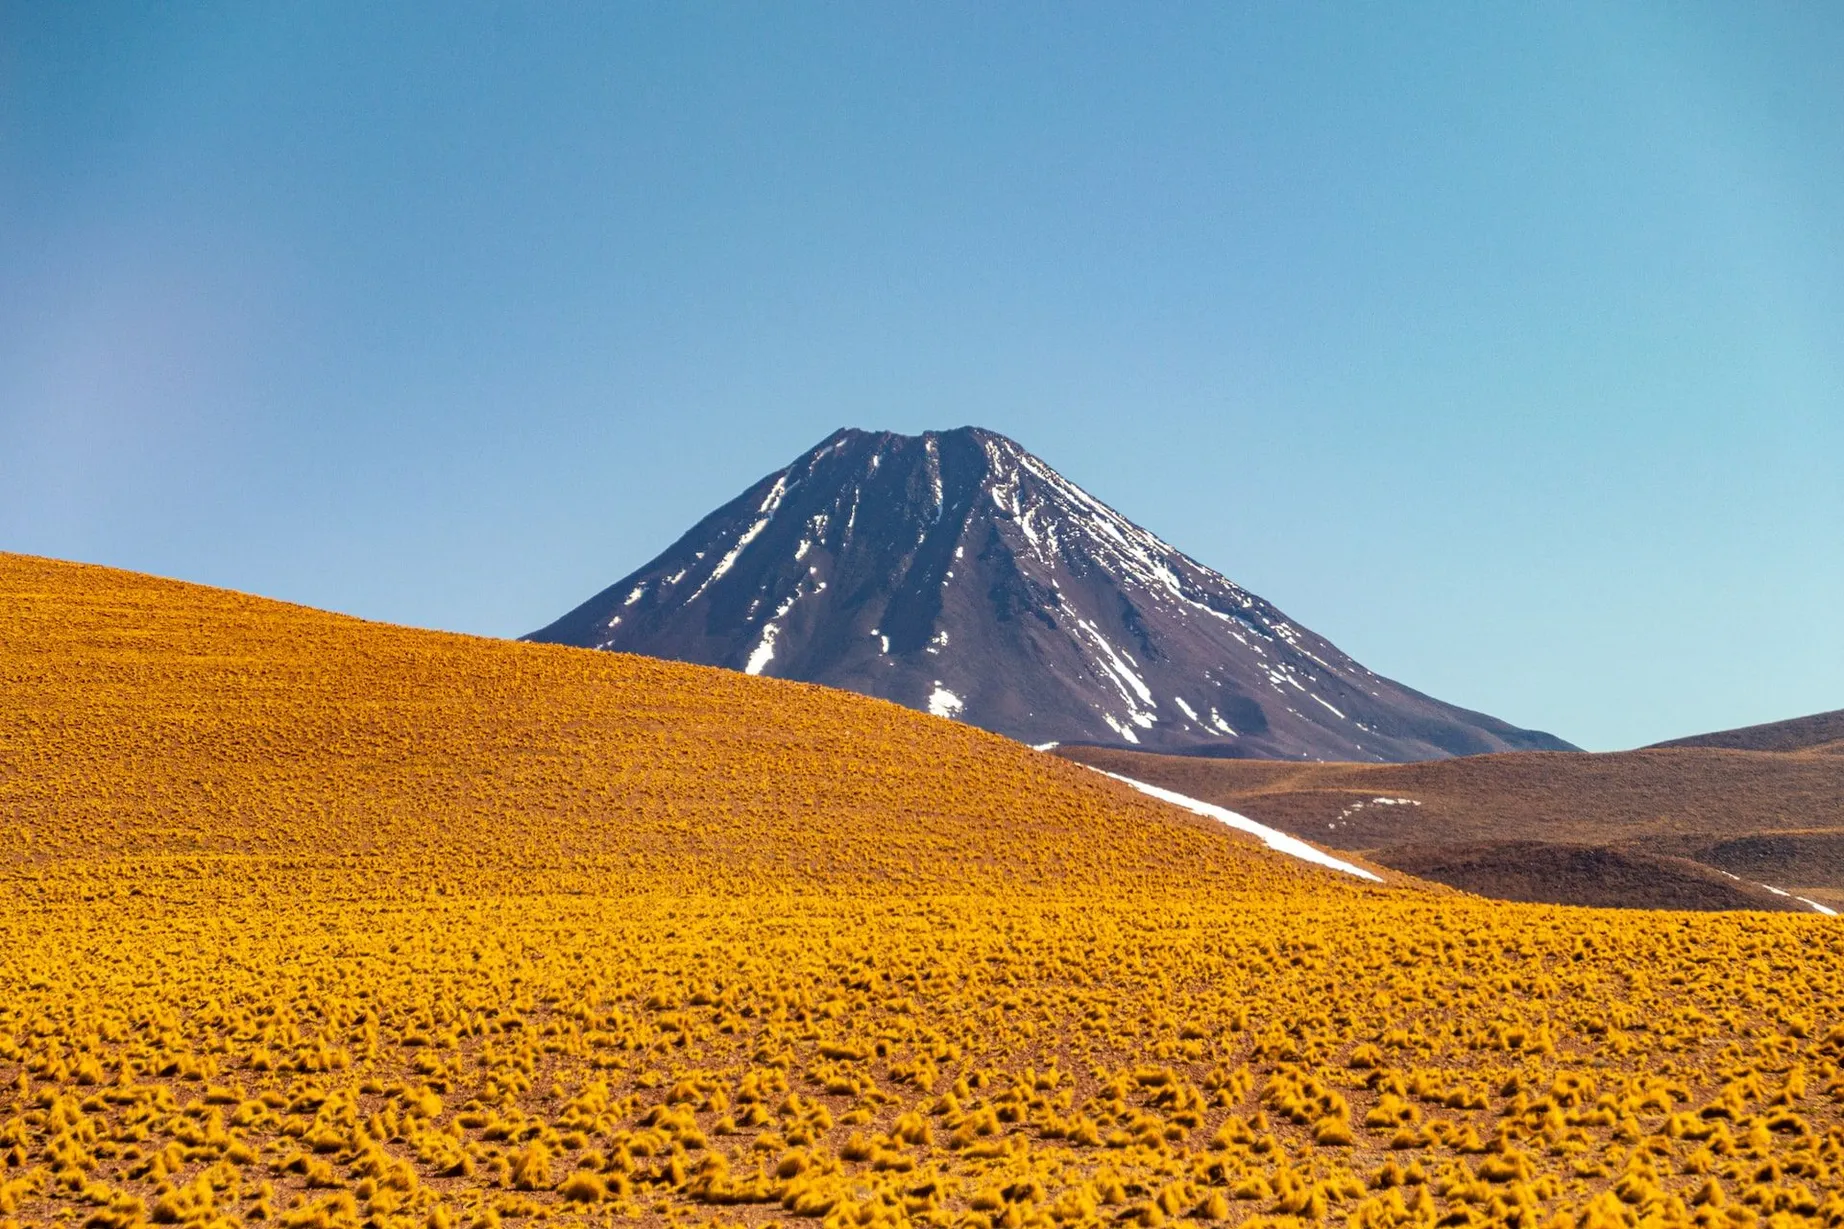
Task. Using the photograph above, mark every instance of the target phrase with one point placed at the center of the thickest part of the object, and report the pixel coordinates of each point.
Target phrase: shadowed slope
(1546, 871)
(1735, 812)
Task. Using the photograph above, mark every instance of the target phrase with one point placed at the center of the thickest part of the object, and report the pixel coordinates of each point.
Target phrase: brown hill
(1820, 730)
(1774, 818)
(1547, 872)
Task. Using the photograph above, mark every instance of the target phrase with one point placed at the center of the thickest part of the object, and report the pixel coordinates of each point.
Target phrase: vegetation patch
(312, 922)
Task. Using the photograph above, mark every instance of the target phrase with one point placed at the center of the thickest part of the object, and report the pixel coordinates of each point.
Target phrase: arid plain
(319, 922)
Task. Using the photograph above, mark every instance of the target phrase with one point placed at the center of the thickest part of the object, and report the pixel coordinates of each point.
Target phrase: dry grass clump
(316, 923)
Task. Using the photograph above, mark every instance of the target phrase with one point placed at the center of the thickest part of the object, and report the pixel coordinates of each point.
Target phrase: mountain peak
(956, 572)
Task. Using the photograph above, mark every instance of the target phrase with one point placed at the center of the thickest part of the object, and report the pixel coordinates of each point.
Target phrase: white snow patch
(766, 513)
(800, 552)
(1335, 712)
(1279, 842)
(764, 652)
(1185, 708)
(1030, 530)
(944, 703)
(775, 495)
(1360, 804)
(1814, 905)
(639, 590)
(1125, 731)
(724, 564)
(1216, 719)
(1116, 666)
(1045, 746)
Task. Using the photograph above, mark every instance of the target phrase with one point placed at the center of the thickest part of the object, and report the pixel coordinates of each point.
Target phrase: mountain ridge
(955, 572)
(1812, 732)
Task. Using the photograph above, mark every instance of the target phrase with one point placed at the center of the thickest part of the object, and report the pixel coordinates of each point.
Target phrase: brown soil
(1769, 817)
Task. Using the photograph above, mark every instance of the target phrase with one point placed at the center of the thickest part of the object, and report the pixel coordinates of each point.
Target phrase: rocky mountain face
(955, 572)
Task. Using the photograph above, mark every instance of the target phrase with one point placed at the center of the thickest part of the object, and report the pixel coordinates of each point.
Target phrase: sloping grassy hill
(320, 922)
(149, 719)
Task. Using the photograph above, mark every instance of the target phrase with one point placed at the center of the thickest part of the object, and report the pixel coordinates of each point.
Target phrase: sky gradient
(1501, 345)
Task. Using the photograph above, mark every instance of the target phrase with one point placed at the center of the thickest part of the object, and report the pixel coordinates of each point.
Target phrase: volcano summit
(955, 572)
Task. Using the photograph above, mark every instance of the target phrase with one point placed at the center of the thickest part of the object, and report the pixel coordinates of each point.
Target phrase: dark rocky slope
(955, 572)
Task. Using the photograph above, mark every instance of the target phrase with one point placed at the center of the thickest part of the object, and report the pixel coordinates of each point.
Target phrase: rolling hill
(330, 924)
(1680, 826)
(955, 572)
(1821, 731)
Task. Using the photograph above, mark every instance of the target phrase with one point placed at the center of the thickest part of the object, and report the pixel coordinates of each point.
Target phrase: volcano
(955, 572)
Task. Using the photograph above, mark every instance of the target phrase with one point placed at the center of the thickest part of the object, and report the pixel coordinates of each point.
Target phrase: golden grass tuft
(312, 922)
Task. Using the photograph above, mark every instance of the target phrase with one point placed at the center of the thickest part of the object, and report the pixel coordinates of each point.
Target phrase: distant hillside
(1608, 878)
(1774, 819)
(956, 573)
(1798, 734)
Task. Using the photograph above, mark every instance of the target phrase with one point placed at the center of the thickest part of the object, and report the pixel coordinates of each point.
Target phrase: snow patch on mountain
(944, 703)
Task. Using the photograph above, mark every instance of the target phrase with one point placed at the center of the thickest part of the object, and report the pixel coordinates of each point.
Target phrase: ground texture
(317, 922)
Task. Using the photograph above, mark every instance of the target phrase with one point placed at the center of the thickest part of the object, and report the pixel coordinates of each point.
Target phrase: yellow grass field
(317, 922)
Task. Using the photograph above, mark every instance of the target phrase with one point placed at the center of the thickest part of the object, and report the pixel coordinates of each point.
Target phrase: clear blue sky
(1502, 344)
